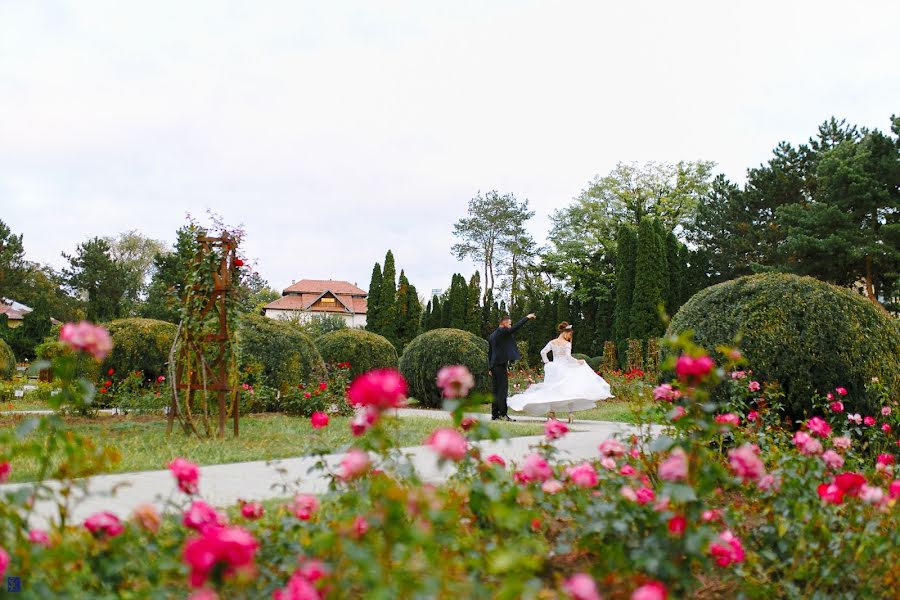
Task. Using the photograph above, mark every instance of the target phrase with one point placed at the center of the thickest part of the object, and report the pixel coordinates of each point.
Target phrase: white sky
(336, 130)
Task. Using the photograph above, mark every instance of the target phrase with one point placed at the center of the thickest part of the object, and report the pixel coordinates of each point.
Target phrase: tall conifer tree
(387, 301)
(373, 315)
(649, 278)
(473, 316)
(625, 263)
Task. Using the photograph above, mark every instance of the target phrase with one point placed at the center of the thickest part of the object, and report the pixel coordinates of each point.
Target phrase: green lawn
(143, 445)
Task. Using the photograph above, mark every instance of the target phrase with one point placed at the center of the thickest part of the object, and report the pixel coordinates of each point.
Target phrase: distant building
(436, 292)
(16, 312)
(310, 299)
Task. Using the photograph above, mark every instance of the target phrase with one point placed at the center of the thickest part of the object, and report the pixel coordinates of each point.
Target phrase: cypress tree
(676, 274)
(665, 282)
(426, 317)
(459, 301)
(473, 317)
(413, 313)
(387, 300)
(445, 309)
(649, 277)
(434, 322)
(626, 242)
(373, 316)
(488, 316)
(402, 304)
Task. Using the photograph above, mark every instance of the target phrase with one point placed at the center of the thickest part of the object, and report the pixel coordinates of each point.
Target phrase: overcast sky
(336, 130)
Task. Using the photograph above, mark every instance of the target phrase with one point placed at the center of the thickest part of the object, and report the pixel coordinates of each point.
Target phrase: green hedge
(277, 353)
(7, 361)
(85, 365)
(140, 345)
(806, 334)
(364, 350)
(426, 354)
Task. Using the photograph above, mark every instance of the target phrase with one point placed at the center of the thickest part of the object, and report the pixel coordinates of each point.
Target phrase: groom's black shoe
(506, 418)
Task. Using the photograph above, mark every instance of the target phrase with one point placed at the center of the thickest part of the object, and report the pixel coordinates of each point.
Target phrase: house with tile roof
(15, 312)
(309, 299)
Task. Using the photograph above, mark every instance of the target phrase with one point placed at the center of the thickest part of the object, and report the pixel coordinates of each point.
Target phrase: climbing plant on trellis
(202, 362)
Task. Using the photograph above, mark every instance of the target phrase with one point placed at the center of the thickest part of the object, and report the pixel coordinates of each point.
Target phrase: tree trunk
(512, 290)
(870, 287)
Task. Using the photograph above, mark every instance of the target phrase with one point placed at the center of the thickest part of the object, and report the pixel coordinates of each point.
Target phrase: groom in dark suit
(502, 350)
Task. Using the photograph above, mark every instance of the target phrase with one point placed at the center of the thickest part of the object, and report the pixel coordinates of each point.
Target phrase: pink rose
(850, 483)
(837, 406)
(496, 460)
(224, 549)
(841, 443)
(626, 470)
(885, 411)
(693, 369)
(5, 470)
(871, 494)
(819, 427)
(675, 467)
(319, 420)
(581, 586)
(304, 506)
(554, 429)
(855, 418)
(104, 524)
(381, 389)
(728, 419)
(832, 459)
(448, 443)
(187, 474)
(711, 516)
(745, 462)
(841, 391)
(609, 463)
(201, 516)
(894, 489)
(753, 386)
(204, 594)
(628, 493)
(738, 374)
(584, 475)
(88, 338)
(39, 537)
(252, 510)
(363, 420)
(551, 486)
(297, 588)
(768, 482)
(678, 412)
(752, 416)
(611, 448)
(885, 428)
(355, 463)
(645, 495)
(4, 561)
(654, 590)
(360, 527)
(885, 459)
(726, 549)
(869, 421)
(830, 493)
(535, 468)
(456, 381)
(677, 525)
(666, 393)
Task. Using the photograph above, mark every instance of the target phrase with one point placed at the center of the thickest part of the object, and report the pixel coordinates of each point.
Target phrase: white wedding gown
(568, 385)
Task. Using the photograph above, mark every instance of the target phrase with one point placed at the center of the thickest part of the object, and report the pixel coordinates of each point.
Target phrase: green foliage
(34, 328)
(328, 396)
(170, 272)
(85, 365)
(651, 364)
(594, 362)
(806, 335)
(364, 350)
(277, 353)
(409, 311)
(7, 361)
(625, 264)
(650, 281)
(473, 308)
(429, 352)
(387, 301)
(140, 345)
(12, 262)
(321, 324)
(458, 300)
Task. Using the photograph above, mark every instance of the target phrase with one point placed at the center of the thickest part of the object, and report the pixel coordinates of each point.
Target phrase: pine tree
(649, 275)
(665, 282)
(459, 301)
(473, 318)
(426, 317)
(445, 309)
(625, 265)
(436, 319)
(676, 274)
(387, 301)
(373, 315)
(488, 316)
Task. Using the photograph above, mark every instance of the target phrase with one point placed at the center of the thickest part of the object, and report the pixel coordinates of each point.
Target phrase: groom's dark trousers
(502, 350)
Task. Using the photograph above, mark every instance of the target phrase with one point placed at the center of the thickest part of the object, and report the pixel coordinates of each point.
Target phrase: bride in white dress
(569, 384)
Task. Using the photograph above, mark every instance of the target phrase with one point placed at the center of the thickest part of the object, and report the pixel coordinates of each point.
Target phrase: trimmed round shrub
(364, 350)
(277, 353)
(595, 362)
(426, 354)
(7, 361)
(807, 335)
(140, 345)
(85, 365)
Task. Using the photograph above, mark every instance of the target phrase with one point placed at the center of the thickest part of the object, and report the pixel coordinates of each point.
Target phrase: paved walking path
(223, 485)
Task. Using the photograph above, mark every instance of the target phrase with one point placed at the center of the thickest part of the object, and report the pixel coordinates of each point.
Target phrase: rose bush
(723, 507)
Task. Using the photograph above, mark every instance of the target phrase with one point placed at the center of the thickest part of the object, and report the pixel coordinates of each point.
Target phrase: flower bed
(721, 505)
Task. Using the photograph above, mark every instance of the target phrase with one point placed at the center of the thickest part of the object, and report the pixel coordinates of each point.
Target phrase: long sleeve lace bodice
(561, 352)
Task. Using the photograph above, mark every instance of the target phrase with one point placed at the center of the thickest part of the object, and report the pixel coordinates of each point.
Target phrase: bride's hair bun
(562, 326)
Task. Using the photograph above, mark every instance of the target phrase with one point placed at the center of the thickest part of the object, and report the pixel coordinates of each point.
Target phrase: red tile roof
(345, 302)
(319, 286)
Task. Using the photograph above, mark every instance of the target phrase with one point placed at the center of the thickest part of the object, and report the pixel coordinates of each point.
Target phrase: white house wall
(352, 320)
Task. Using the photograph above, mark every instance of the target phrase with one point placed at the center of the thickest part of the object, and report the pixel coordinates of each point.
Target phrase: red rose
(238, 262)
(111, 371)
(103, 390)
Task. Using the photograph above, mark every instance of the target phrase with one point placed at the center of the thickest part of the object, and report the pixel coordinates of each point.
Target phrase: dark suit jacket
(502, 345)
